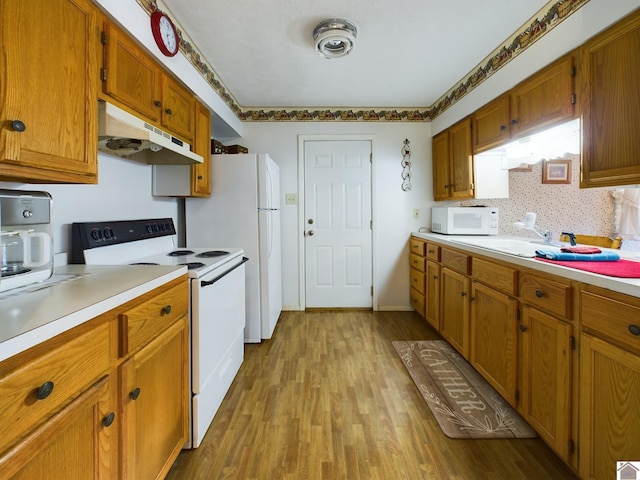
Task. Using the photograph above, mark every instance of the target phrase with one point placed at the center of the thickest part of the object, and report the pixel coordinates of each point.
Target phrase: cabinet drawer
(551, 296)
(68, 368)
(417, 262)
(144, 322)
(418, 246)
(417, 280)
(496, 276)
(433, 252)
(417, 301)
(455, 260)
(617, 321)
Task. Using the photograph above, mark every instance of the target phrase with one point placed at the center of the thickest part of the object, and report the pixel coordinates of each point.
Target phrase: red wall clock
(164, 33)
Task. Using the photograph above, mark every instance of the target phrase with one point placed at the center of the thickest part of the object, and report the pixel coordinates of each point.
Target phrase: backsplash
(559, 207)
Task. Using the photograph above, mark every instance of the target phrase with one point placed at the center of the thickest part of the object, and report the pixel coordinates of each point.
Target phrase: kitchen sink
(510, 246)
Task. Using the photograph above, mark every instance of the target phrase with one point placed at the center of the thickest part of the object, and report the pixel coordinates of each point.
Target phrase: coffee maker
(26, 244)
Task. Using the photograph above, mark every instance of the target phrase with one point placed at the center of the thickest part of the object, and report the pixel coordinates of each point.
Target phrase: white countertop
(74, 295)
(629, 286)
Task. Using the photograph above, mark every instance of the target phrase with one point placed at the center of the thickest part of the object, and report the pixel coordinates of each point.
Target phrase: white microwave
(464, 220)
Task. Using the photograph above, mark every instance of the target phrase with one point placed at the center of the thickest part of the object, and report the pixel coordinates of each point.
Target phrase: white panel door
(337, 202)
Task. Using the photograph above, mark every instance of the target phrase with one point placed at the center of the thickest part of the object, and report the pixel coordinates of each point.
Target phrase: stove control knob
(108, 233)
(156, 229)
(148, 228)
(96, 234)
(163, 227)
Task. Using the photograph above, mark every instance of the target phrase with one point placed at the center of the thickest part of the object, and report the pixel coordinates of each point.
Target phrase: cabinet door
(609, 413)
(201, 174)
(461, 160)
(544, 99)
(454, 314)
(153, 398)
(48, 112)
(75, 444)
(178, 107)
(491, 125)
(493, 340)
(432, 294)
(545, 400)
(440, 154)
(609, 99)
(129, 75)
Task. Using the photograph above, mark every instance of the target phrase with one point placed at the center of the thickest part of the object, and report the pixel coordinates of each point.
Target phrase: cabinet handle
(135, 393)
(18, 126)
(522, 328)
(168, 111)
(539, 293)
(165, 310)
(44, 391)
(471, 299)
(199, 177)
(503, 128)
(634, 329)
(464, 294)
(431, 251)
(435, 277)
(157, 103)
(514, 121)
(108, 420)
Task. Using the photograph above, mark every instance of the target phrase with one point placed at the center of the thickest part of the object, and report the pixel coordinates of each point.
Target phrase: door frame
(302, 283)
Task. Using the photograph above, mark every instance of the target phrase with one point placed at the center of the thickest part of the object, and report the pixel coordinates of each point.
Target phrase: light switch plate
(416, 213)
(291, 198)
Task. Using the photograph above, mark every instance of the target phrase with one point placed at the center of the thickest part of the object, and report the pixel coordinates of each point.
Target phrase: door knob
(310, 233)
(310, 221)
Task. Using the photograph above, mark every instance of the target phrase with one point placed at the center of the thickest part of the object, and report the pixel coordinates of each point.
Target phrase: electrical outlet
(291, 198)
(416, 213)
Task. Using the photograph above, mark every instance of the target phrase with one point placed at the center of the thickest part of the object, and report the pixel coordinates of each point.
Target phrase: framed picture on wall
(556, 171)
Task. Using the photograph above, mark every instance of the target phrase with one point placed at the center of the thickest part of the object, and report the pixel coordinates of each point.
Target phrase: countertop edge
(628, 286)
(31, 338)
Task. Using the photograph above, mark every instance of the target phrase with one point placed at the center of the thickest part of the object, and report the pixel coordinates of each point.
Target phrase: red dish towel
(620, 268)
(585, 250)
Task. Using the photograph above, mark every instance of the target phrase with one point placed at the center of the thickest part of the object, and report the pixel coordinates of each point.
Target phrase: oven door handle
(205, 283)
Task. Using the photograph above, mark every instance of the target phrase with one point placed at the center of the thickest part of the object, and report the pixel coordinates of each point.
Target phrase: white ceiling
(407, 55)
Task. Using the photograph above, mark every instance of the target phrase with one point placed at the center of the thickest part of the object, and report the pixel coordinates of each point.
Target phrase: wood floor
(328, 398)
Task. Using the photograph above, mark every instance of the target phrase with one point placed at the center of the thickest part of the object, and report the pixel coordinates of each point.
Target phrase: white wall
(393, 219)
(123, 192)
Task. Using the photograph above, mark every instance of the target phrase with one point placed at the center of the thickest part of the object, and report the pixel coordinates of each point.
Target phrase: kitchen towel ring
(406, 166)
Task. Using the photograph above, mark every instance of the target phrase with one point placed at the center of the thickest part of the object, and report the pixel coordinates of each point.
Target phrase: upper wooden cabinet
(129, 75)
(453, 163)
(490, 124)
(48, 103)
(546, 98)
(201, 173)
(609, 101)
(134, 81)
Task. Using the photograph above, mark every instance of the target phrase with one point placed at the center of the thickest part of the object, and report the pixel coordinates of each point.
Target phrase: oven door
(217, 341)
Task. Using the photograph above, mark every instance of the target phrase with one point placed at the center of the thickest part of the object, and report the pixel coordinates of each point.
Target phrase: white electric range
(217, 299)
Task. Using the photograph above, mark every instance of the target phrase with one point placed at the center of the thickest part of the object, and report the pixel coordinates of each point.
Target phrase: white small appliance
(26, 244)
(217, 300)
(464, 220)
(244, 210)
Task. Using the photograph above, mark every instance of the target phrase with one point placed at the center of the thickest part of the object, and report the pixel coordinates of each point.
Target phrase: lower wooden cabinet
(105, 400)
(77, 443)
(546, 345)
(432, 294)
(454, 309)
(493, 341)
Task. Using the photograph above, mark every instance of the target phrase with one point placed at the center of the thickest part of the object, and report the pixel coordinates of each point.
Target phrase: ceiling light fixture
(334, 38)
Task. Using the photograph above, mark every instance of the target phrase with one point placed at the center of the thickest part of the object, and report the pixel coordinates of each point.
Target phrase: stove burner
(179, 253)
(193, 265)
(144, 263)
(212, 253)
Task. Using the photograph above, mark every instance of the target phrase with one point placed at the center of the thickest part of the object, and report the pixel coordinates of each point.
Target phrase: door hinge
(572, 446)
(574, 71)
(370, 224)
(573, 99)
(372, 290)
(103, 38)
(371, 157)
(572, 342)
(103, 74)
(472, 187)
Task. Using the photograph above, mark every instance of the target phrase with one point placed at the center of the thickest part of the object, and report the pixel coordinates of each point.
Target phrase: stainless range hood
(125, 135)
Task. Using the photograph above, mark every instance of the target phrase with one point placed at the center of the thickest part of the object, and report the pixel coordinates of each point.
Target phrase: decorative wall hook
(406, 166)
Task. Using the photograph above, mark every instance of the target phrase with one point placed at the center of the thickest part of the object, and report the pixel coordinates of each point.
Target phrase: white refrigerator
(244, 211)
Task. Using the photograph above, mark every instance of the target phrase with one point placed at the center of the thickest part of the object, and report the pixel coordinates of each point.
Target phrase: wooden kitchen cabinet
(178, 108)
(201, 173)
(48, 104)
(453, 177)
(493, 338)
(67, 408)
(609, 381)
(154, 404)
(609, 75)
(546, 345)
(545, 99)
(417, 263)
(454, 309)
(491, 124)
(432, 294)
